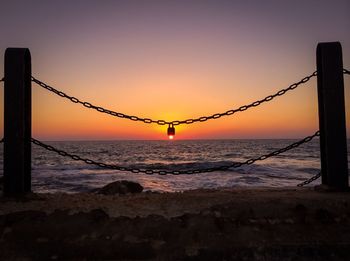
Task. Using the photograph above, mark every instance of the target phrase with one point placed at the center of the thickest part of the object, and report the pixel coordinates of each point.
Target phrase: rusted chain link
(313, 178)
(177, 122)
(175, 172)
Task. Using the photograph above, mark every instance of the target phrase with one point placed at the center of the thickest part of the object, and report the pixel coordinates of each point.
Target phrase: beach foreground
(224, 224)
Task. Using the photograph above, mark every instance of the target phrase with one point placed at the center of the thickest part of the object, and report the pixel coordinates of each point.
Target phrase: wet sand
(223, 224)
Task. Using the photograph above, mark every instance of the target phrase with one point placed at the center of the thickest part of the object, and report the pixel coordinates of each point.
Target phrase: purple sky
(200, 57)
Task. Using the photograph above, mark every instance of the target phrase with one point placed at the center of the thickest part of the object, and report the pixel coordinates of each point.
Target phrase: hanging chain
(313, 178)
(188, 121)
(248, 106)
(177, 122)
(175, 172)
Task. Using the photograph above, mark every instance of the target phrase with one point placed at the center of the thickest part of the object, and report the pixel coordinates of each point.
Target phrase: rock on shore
(120, 187)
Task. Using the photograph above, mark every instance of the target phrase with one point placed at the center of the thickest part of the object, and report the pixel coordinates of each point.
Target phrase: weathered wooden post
(17, 122)
(331, 108)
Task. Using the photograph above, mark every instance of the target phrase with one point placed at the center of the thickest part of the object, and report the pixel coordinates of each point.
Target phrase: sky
(174, 60)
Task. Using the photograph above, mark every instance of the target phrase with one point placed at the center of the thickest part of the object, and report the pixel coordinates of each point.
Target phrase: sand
(222, 224)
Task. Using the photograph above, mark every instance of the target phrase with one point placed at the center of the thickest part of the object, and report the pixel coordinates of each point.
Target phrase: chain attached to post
(176, 122)
(313, 178)
(171, 127)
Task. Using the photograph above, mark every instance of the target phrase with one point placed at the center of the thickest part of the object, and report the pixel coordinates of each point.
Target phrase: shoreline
(169, 204)
(240, 223)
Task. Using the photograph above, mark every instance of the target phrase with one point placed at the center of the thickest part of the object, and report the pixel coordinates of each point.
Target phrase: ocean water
(54, 173)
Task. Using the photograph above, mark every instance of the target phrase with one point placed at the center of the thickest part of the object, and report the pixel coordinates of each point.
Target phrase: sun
(171, 137)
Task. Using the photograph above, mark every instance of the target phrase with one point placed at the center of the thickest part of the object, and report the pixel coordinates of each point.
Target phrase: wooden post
(17, 122)
(331, 106)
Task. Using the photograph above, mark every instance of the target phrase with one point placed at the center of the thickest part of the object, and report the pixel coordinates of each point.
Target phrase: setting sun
(171, 137)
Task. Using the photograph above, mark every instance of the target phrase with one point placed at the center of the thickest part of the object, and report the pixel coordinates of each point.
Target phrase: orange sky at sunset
(173, 61)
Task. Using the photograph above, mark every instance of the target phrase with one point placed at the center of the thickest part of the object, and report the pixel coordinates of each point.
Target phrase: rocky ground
(227, 224)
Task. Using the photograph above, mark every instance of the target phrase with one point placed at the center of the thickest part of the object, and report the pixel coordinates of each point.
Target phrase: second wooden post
(331, 106)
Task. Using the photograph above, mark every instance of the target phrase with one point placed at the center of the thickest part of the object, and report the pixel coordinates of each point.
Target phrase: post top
(17, 52)
(329, 45)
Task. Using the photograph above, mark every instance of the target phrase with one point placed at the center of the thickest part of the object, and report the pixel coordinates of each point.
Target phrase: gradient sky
(174, 60)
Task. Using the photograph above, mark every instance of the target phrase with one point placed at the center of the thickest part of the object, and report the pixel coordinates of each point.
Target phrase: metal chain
(310, 180)
(2, 140)
(175, 172)
(3, 79)
(188, 121)
(177, 122)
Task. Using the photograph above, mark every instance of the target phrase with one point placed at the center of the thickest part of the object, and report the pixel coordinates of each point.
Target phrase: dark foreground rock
(120, 187)
(292, 225)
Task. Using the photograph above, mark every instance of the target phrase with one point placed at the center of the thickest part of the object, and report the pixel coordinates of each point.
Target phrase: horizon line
(174, 140)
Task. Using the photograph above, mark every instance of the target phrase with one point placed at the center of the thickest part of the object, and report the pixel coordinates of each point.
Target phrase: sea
(53, 173)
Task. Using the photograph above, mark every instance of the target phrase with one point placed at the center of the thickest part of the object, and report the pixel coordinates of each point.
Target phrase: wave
(268, 170)
(182, 166)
